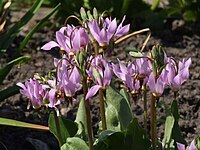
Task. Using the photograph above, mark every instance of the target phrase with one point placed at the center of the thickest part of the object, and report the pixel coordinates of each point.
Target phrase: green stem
(88, 116)
(60, 140)
(155, 5)
(153, 123)
(175, 94)
(102, 108)
(145, 107)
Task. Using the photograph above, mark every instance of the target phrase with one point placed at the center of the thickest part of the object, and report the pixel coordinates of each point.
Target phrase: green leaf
(158, 56)
(10, 91)
(81, 119)
(198, 143)
(83, 14)
(37, 27)
(68, 128)
(176, 132)
(74, 143)
(112, 118)
(119, 107)
(124, 93)
(12, 122)
(6, 69)
(109, 140)
(135, 137)
(11, 34)
(136, 54)
(190, 15)
(169, 124)
(174, 110)
(132, 138)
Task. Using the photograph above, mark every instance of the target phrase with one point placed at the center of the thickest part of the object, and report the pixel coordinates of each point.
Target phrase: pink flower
(177, 74)
(192, 146)
(143, 67)
(126, 75)
(108, 31)
(68, 78)
(69, 39)
(100, 72)
(39, 94)
(157, 85)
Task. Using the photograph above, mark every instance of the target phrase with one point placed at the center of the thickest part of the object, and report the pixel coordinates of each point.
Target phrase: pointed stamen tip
(62, 49)
(157, 95)
(103, 46)
(140, 77)
(134, 93)
(103, 88)
(144, 88)
(71, 54)
(58, 94)
(89, 79)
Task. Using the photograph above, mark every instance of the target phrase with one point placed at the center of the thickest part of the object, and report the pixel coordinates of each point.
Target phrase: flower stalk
(102, 108)
(57, 128)
(153, 123)
(144, 96)
(88, 115)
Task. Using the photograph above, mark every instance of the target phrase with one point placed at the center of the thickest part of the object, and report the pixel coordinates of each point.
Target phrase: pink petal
(50, 45)
(92, 91)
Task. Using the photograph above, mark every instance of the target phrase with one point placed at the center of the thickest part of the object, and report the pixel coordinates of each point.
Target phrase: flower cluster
(82, 68)
(67, 80)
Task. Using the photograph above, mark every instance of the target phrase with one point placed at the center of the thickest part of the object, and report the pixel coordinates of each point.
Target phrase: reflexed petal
(61, 40)
(188, 62)
(151, 83)
(55, 62)
(180, 146)
(129, 82)
(84, 37)
(21, 85)
(50, 45)
(76, 41)
(94, 29)
(63, 29)
(92, 91)
(103, 37)
(192, 146)
(122, 31)
(75, 76)
(107, 76)
(184, 73)
(123, 67)
(116, 70)
(52, 94)
(160, 85)
(112, 26)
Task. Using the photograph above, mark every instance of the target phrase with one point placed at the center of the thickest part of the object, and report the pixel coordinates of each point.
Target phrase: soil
(180, 41)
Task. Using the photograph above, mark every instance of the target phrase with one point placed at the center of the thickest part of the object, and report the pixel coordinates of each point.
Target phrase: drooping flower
(34, 91)
(177, 74)
(68, 78)
(192, 146)
(100, 72)
(157, 86)
(70, 39)
(126, 74)
(142, 67)
(108, 31)
(39, 94)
